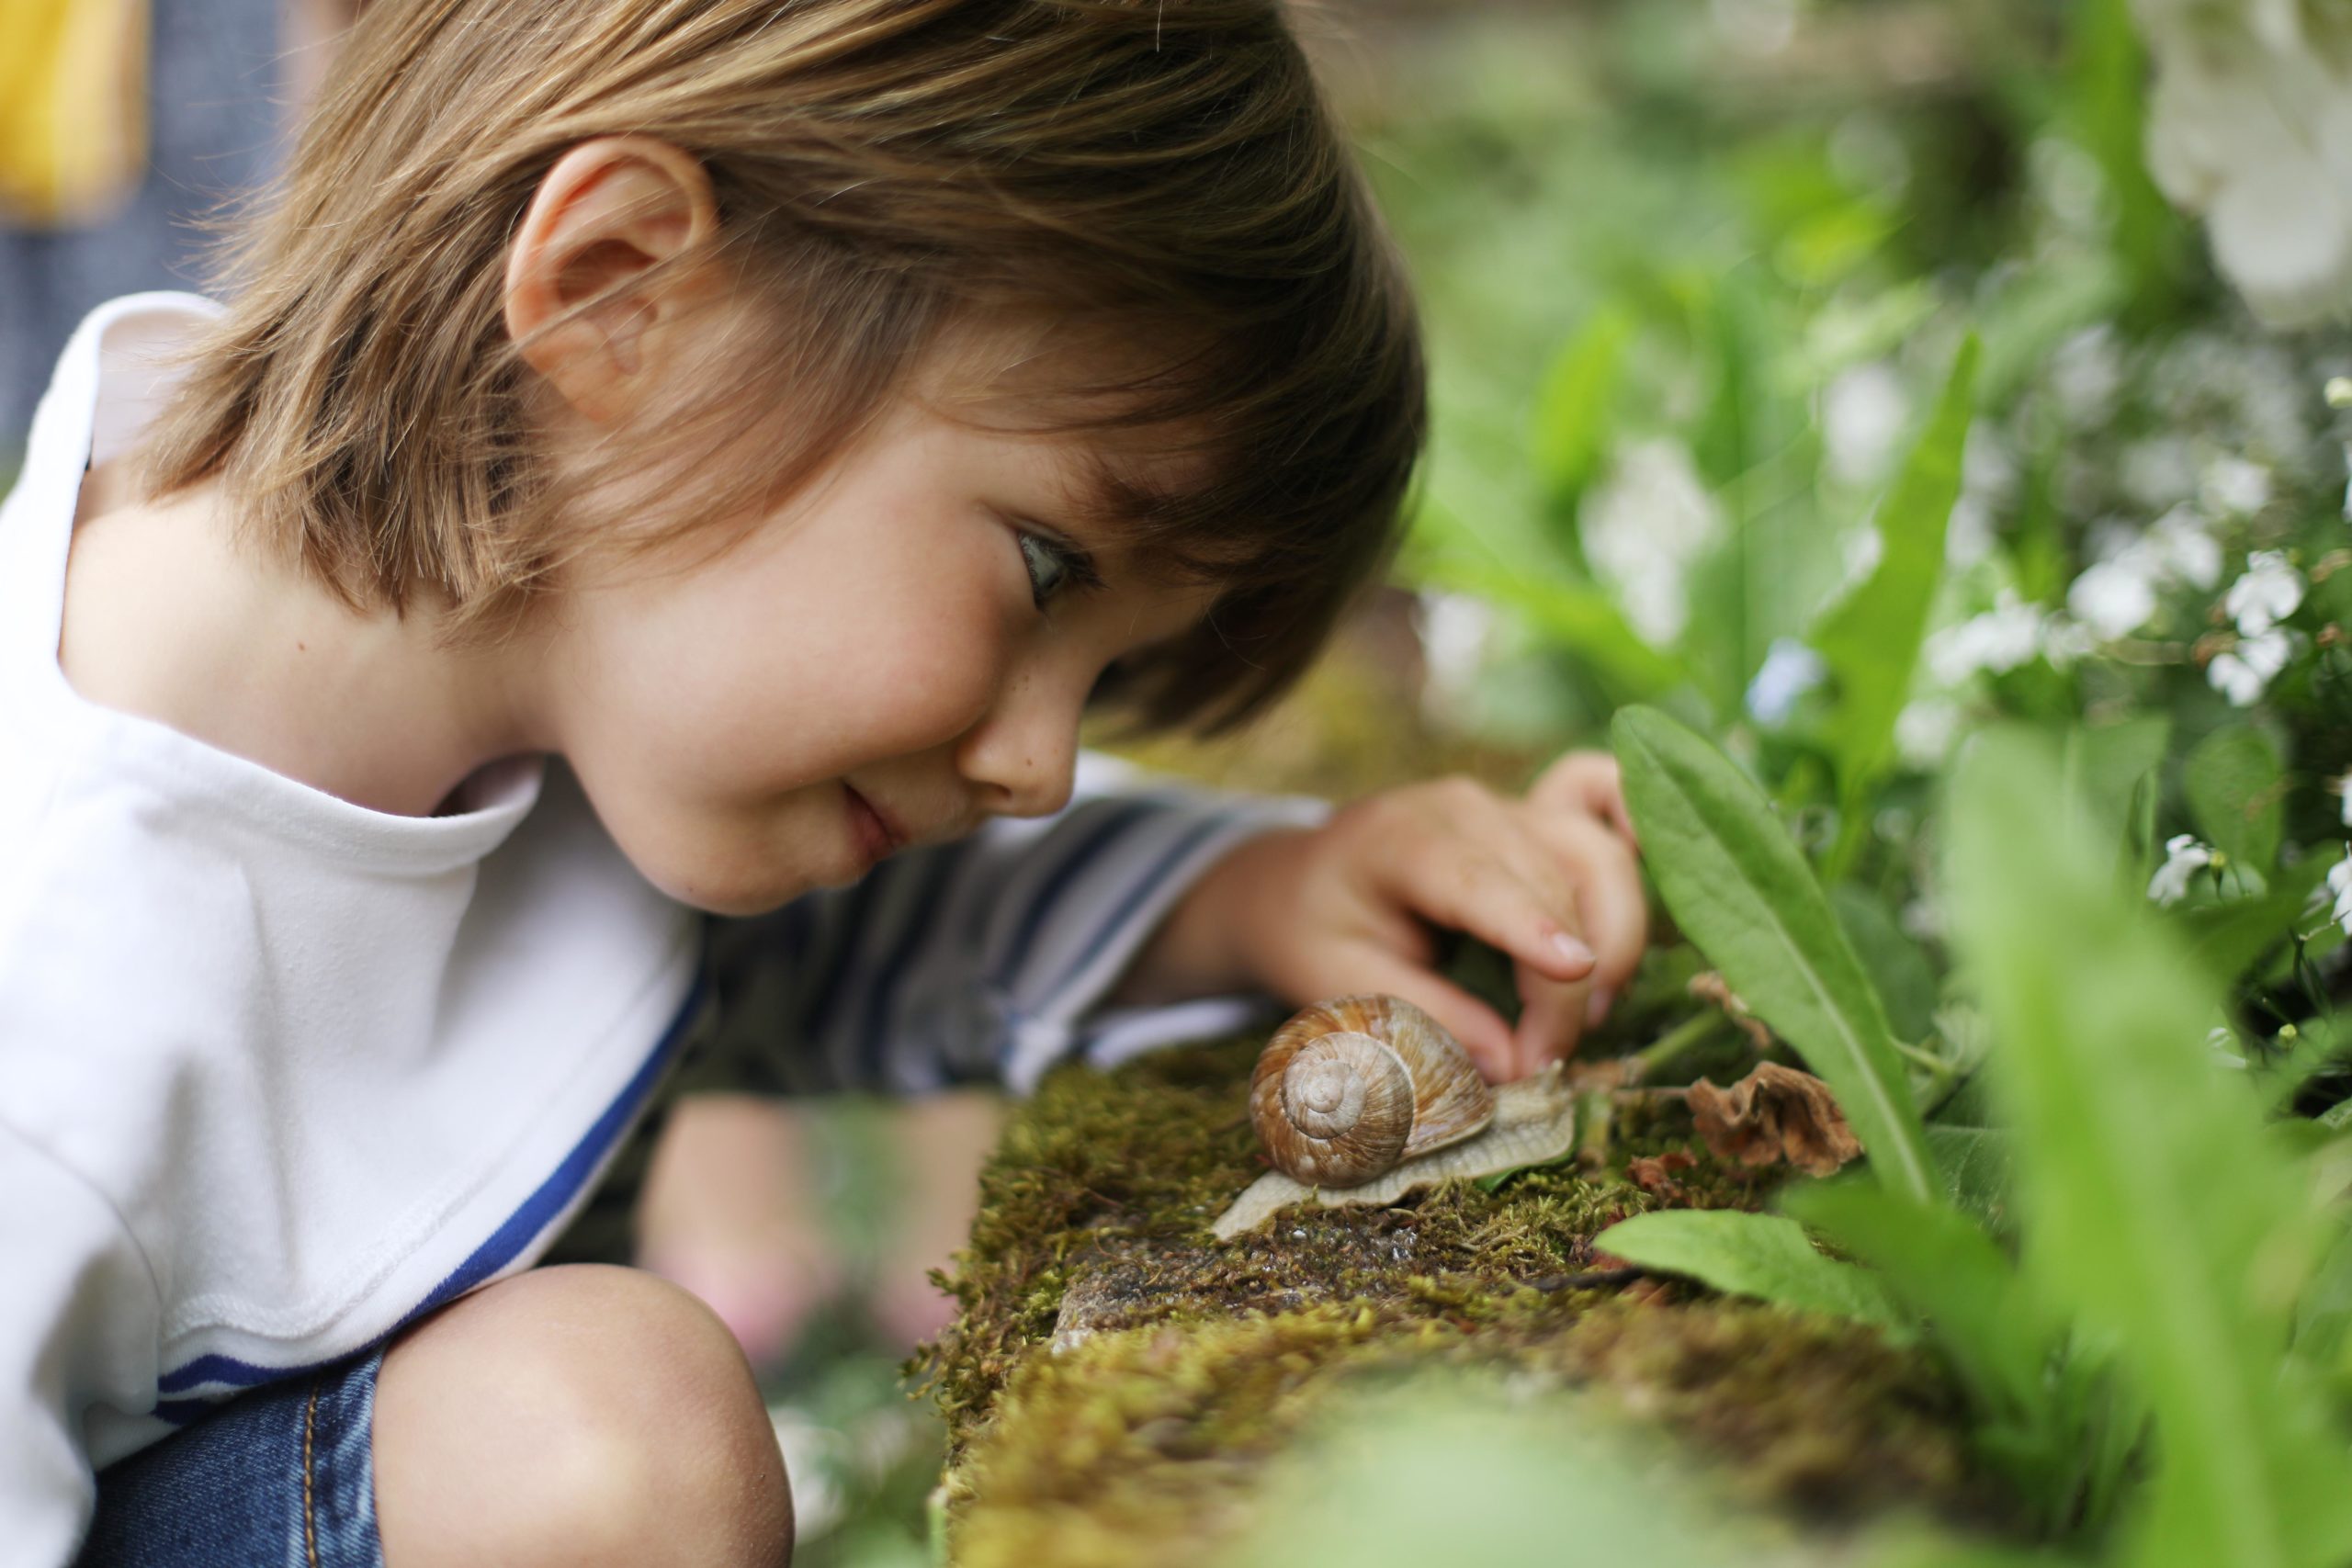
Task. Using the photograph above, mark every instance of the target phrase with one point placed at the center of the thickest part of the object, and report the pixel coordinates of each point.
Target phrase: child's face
(880, 637)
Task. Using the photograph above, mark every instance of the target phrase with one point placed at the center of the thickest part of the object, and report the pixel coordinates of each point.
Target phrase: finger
(1589, 782)
(1480, 1027)
(1468, 891)
(1551, 1022)
(1612, 912)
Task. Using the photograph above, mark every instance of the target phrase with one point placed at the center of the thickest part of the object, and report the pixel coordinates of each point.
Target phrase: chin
(734, 886)
(718, 864)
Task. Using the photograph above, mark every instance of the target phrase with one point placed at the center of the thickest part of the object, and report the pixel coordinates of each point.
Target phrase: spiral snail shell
(1349, 1088)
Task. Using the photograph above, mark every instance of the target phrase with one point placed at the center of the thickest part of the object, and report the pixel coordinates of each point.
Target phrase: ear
(608, 212)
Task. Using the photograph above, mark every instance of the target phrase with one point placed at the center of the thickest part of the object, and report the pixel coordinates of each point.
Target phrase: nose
(1023, 754)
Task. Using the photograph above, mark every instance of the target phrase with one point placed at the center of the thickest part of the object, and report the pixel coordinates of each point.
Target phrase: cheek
(711, 725)
(759, 687)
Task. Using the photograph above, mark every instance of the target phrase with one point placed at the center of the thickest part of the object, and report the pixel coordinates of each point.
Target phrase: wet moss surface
(1116, 1380)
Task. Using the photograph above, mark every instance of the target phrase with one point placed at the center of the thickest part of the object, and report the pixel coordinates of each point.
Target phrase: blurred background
(1693, 273)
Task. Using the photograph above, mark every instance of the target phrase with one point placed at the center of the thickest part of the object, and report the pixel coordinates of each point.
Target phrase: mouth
(877, 837)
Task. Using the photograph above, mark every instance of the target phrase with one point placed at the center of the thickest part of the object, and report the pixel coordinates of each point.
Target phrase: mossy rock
(1117, 1381)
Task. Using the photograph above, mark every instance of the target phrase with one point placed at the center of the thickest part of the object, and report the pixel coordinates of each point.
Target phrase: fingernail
(1597, 1007)
(1569, 948)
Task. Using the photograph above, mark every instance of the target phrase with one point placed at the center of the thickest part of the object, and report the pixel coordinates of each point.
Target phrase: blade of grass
(1871, 637)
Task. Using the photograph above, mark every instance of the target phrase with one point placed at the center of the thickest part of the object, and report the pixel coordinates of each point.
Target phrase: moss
(1183, 1364)
(1116, 1177)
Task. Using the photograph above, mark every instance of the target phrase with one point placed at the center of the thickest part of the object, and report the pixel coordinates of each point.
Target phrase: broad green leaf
(1740, 889)
(2236, 789)
(2151, 1205)
(2323, 1316)
(1997, 1339)
(1752, 1254)
(1576, 409)
(1871, 638)
(2110, 769)
(1906, 983)
(1975, 1166)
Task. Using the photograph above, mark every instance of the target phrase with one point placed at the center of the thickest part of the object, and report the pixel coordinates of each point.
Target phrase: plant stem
(1691, 1032)
(1942, 1070)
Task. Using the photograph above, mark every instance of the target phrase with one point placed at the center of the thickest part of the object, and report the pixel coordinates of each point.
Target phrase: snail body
(1348, 1088)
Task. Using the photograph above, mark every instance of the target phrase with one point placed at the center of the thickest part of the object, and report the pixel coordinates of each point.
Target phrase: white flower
(1643, 526)
(2344, 789)
(2234, 487)
(2009, 633)
(2185, 549)
(1789, 671)
(2250, 125)
(1925, 731)
(2184, 858)
(2266, 595)
(1999, 640)
(1863, 415)
(2242, 673)
(2086, 373)
(2339, 881)
(2116, 597)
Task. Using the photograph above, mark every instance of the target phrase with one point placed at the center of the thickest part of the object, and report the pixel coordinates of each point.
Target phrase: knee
(578, 1415)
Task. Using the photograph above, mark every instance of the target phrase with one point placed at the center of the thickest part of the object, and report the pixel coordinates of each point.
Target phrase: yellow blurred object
(72, 108)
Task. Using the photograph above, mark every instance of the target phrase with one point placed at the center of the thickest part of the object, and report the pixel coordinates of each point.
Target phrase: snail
(1348, 1088)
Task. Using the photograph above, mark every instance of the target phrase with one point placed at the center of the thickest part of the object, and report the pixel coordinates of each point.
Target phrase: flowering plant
(1988, 630)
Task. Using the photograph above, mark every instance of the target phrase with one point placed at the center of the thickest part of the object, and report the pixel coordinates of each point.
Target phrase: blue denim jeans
(283, 1477)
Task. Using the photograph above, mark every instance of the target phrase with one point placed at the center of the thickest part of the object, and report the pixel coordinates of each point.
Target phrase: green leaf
(1976, 1165)
(2236, 787)
(1906, 983)
(1576, 409)
(1752, 1254)
(2111, 770)
(2323, 1316)
(1996, 1336)
(1871, 638)
(2151, 1205)
(1740, 889)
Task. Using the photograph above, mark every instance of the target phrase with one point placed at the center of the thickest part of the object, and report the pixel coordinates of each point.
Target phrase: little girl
(664, 459)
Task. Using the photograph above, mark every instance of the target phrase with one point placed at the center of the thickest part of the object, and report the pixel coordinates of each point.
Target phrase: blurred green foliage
(2006, 780)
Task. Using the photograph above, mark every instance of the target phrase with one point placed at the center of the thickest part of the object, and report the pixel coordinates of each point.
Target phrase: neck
(171, 615)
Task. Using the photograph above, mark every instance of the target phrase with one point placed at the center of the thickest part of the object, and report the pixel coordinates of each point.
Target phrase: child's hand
(1551, 880)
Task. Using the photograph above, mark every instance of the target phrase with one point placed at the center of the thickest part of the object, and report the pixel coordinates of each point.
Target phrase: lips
(877, 836)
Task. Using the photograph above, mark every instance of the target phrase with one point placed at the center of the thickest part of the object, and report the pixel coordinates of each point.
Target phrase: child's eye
(1053, 567)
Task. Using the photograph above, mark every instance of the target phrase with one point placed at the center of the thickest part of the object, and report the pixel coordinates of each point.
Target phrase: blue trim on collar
(506, 1244)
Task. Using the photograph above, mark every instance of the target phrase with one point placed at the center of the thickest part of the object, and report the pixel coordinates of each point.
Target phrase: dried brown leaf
(1654, 1173)
(1775, 1114)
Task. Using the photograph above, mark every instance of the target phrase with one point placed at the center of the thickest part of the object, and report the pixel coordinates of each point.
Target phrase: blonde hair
(883, 169)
